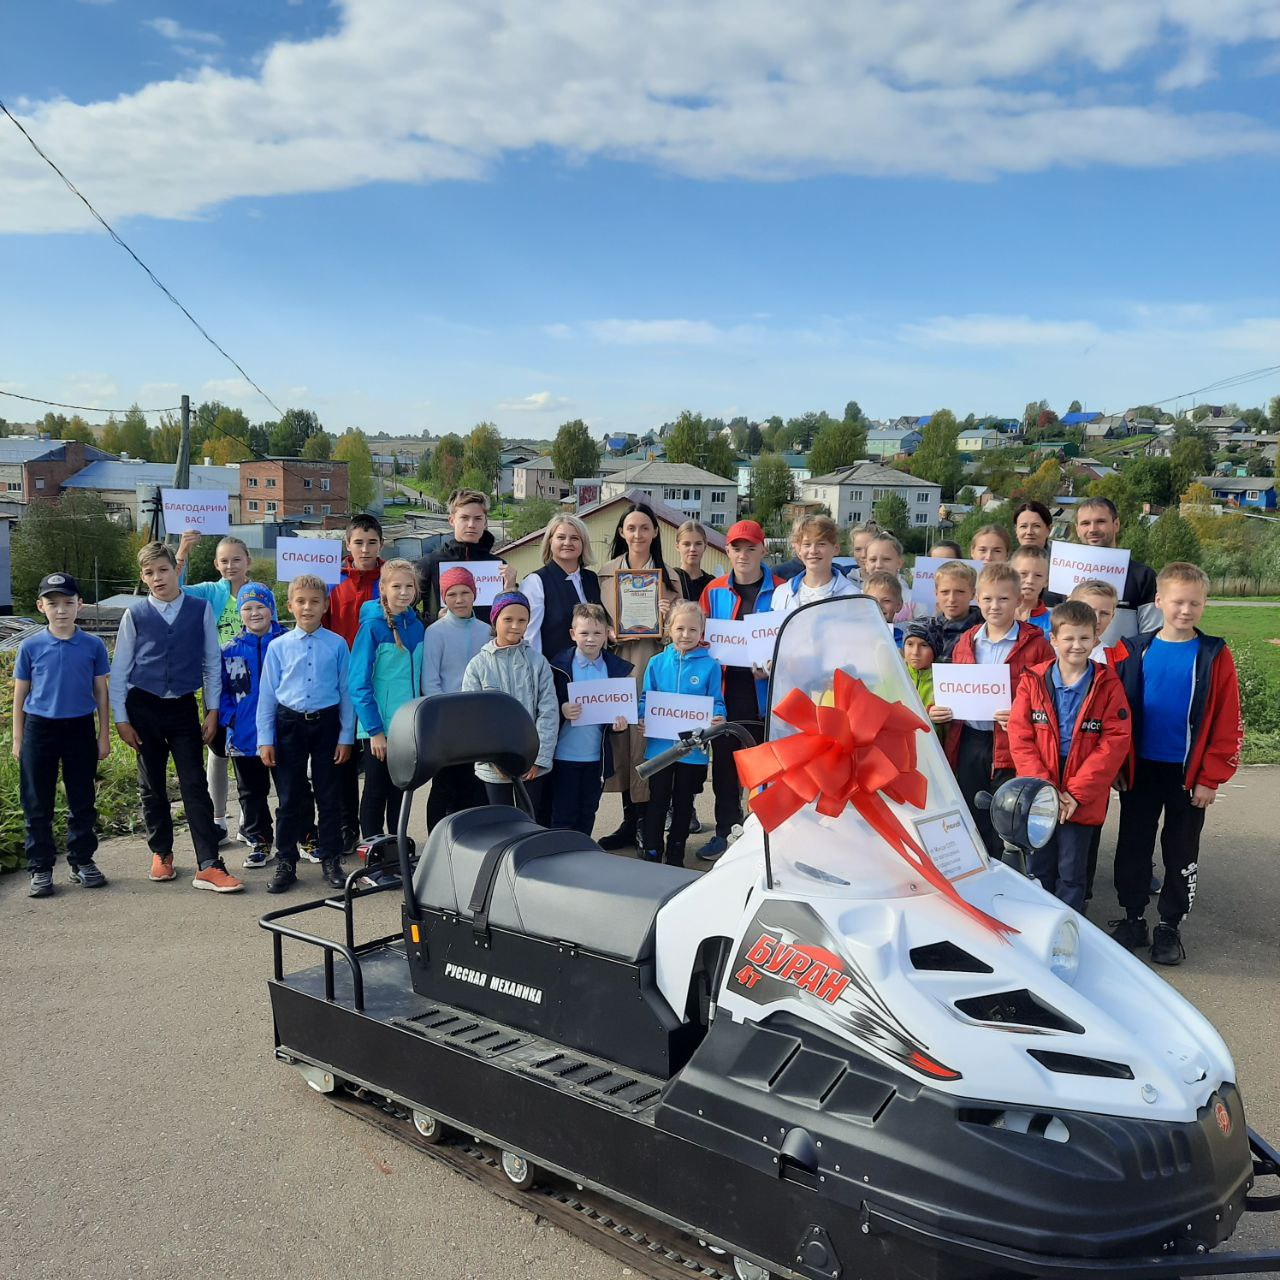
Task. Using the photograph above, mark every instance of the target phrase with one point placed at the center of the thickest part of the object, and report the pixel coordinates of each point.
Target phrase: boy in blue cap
(59, 684)
(242, 661)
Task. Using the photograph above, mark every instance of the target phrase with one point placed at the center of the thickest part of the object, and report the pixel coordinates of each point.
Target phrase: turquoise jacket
(696, 673)
(384, 675)
(226, 617)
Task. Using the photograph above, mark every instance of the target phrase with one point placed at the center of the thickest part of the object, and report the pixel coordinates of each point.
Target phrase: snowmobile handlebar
(694, 740)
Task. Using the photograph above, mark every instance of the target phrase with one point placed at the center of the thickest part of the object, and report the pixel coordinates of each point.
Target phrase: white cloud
(538, 402)
(172, 30)
(999, 331)
(709, 88)
(643, 333)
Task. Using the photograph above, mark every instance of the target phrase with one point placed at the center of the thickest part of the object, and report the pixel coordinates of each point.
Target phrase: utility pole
(182, 467)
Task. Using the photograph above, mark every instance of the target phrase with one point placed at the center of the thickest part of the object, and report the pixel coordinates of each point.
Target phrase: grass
(1253, 636)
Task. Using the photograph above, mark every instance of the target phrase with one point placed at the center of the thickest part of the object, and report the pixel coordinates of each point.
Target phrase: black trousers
(1158, 789)
(973, 774)
(453, 789)
(171, 727)
(46, 744)
(253, 788)
(348, 779)
(380, 802)
(724, 772)
(575, 795)
(676, 788)
(301, 739)
(505, 792)
(1062, 866)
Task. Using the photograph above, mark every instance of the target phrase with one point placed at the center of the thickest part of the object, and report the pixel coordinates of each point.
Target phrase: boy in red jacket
(359, 584)
(1070, 726)
(1185, 698)
(979, 752)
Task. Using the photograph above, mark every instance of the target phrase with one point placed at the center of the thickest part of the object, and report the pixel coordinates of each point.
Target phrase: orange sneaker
(162, 867)
(218, 878)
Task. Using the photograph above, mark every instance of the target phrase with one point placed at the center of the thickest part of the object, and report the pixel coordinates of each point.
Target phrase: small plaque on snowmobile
(950, 844)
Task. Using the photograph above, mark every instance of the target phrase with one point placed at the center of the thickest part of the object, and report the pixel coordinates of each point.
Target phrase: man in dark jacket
(469, 520)
(1098, 525)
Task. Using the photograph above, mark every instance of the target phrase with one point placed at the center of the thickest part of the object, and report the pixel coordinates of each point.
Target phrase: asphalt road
(149, 1133)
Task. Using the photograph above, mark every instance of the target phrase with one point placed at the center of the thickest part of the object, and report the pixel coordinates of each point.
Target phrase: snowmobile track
(648, 1246)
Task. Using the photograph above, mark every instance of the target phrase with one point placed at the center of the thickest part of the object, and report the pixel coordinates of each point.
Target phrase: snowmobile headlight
(1024, 812)
(1064, 950)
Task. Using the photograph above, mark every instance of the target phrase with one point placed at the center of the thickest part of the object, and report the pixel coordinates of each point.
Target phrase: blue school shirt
(582, 743)
(61, 673)
(306, 672)
(1168, 679)
(991, 651)
(1067, 701)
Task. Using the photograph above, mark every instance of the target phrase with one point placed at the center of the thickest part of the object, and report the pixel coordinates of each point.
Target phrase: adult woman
(563, 582)
(1032, 524)
(636, 545)
(691, 543)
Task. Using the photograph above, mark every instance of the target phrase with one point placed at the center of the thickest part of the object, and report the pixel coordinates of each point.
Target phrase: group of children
(1157, 717)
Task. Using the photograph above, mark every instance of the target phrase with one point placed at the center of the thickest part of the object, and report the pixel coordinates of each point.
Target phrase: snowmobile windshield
(873, 775)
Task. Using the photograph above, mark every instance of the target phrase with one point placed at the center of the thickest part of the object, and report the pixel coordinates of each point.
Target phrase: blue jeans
(1062, 866)
(47, 743)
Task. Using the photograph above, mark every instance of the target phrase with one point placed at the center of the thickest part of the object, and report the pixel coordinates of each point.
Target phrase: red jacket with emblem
(356, 588)
(1028, 649)
(1099, 742)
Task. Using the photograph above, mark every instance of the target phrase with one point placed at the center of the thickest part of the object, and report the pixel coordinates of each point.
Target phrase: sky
(414, 216)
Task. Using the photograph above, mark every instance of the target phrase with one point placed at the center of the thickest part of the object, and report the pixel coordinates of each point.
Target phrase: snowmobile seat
(498, 868)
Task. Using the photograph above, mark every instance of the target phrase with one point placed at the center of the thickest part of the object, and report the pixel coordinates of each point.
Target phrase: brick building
(36, 468)
(273, 488)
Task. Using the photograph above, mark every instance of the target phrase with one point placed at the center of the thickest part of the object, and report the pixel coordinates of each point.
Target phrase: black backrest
(429, 734)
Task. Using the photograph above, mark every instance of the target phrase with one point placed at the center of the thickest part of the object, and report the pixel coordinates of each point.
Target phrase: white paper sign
(321, 556)
(204, 510)
(729, 641)
(487, 573)
(972, 690)
(950, 845)
(762, 635)
(1070, 564)
(668, 715)
(603, 701)
(926, 568)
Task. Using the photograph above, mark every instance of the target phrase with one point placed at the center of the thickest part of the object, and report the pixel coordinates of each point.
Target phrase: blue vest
(561, 600)
(168, 660)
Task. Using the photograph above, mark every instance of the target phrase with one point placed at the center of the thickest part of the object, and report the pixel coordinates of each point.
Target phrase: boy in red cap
(746, 589)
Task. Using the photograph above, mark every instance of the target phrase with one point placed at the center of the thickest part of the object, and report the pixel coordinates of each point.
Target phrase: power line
(159, 284)
(85, 408)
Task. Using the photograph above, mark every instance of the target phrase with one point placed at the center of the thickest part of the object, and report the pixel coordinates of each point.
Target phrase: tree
(840, 444)
(303, 421)
(1046, 418)
(937, 459)
(77, 428)
(531, 516)
(1042, 484)
(283, 440)
(483, 455)
(135, 435)
(446, 466)
(73, 534)
(353, 449)
(1273, 413)
(423, 470)
(575, 454)
(1031, 414)
(1074, 407)
(1254, 419)
(771, 486)
(319, 448)
(1258, 465)
(754, 441)
(853, 413)
(1190, 457)
(1171, 538)
(720, 458)
(799, 433)
(687, 440)
(111, 434)
(472, 479)
(228, 450)
(890, 513)
(1152, 480)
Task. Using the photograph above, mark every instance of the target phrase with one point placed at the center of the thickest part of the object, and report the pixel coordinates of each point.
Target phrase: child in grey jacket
(507, 663)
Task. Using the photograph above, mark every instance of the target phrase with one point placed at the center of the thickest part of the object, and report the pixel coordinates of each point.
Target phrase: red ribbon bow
(856, 752)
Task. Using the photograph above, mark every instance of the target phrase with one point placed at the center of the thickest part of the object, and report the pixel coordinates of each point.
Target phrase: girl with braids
(385, 673)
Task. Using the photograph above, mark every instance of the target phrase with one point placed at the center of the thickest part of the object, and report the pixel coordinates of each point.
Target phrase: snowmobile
(856, 1046)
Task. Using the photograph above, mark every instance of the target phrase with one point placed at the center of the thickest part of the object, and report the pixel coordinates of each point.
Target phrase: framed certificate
(637, 604)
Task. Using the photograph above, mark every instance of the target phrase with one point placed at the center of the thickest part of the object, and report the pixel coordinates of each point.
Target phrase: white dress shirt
(533, 588)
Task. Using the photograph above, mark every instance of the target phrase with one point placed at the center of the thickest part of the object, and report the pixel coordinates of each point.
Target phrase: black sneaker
(1129, 932)
(622, 838)
(1166, 945)
(224, 832)
(41, 884)
(286, 877)
(333, 874)
(88, 875)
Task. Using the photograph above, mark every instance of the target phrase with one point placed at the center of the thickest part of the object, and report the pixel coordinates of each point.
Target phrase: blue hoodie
(384, 675)
(696, 673)
(241, 674)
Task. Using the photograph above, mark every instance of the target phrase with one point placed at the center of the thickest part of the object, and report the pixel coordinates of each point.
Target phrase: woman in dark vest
(563, 582)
